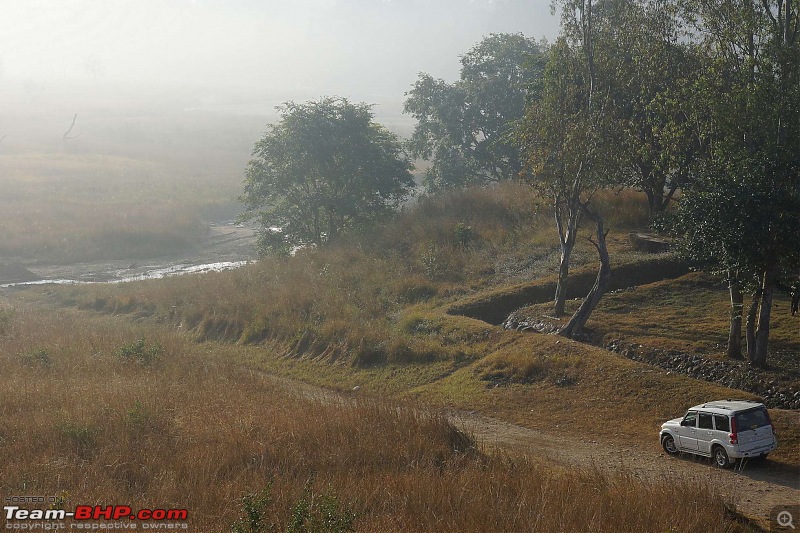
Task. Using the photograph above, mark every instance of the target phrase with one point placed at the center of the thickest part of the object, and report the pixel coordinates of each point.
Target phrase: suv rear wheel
(721, 457)
(668, 443)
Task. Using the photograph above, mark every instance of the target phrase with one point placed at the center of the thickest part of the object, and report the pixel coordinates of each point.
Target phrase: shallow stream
(227, 246)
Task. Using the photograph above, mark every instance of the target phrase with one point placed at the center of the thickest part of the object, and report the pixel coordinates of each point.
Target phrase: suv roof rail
(717, 403)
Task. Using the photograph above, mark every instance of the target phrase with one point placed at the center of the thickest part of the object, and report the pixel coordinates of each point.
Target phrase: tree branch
(66, 136)
(768, 10)
(596, 244)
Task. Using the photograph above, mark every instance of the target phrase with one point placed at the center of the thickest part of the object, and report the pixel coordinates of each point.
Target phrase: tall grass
(191, 429)
(347, 301)
(623, 209)
(344, 301)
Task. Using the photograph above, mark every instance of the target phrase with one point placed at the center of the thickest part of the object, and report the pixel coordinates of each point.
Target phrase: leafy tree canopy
(742, 212)
(324, 168)
(652, 68)
(463, 127)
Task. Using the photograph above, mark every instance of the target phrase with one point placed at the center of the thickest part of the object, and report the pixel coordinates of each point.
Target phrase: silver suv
(726, 430)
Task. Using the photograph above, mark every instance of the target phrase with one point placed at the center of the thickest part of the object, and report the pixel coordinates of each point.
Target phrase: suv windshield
(752, 419)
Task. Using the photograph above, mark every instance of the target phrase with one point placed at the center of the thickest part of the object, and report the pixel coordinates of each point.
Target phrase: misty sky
(363, 49)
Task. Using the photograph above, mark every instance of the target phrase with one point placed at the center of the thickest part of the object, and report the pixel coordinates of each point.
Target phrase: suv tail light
(733, 437)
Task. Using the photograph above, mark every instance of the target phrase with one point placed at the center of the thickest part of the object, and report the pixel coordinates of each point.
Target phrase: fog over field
(240, 56)
(123, 121)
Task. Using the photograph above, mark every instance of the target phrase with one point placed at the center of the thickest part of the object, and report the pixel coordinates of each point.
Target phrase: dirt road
(754, 488)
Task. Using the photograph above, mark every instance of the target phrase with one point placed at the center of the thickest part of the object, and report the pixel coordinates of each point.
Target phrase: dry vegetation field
(688, 313)
(89, 413)
(133, 180)
(163, 393)
(63, 208)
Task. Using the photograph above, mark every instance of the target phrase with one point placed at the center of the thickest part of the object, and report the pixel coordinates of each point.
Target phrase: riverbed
(227, 245)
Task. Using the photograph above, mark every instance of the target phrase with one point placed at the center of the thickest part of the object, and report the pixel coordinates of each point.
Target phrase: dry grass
(623, 209)
(690, 313)
(524, 375)
(369, 305)
(686, 315)
(79, 207)
(160, 428)
(193, 429)
(347, 301)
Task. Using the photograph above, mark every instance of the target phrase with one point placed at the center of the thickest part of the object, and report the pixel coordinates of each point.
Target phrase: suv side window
(721, 422)
(690, 420)
(706, 421)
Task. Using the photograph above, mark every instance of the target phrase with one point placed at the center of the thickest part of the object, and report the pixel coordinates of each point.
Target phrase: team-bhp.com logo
(95, 517)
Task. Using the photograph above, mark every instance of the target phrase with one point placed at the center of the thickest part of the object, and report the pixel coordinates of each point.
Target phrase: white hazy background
(219, 50)
(194, 83)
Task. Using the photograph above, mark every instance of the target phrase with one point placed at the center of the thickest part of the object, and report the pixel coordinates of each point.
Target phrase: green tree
(743, 212)
(324, 168)
(652, 89)
(463, 128)
(568, 142)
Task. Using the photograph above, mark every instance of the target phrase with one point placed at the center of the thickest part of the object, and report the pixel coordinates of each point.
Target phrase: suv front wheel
(721, 457)
(668, 443)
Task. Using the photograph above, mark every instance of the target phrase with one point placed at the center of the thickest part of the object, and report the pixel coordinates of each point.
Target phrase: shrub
(140, 352)
(320, 513)
(255, 513)
(312, 513)
(80, 438)
(34, 358)
(464, 235)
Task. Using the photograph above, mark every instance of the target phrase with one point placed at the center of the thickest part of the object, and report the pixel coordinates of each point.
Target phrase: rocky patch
(733, 374)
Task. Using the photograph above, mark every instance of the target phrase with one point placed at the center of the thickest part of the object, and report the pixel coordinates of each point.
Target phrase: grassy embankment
(372, 314)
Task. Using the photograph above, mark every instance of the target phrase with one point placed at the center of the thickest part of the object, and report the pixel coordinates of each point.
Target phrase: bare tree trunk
(575, 326)
(566, 237)
(67, 135)
(563, 274)
(737, 307)
(759, 358)
(750, 332)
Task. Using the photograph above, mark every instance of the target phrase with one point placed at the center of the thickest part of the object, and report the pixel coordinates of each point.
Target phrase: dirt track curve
(755, 489)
